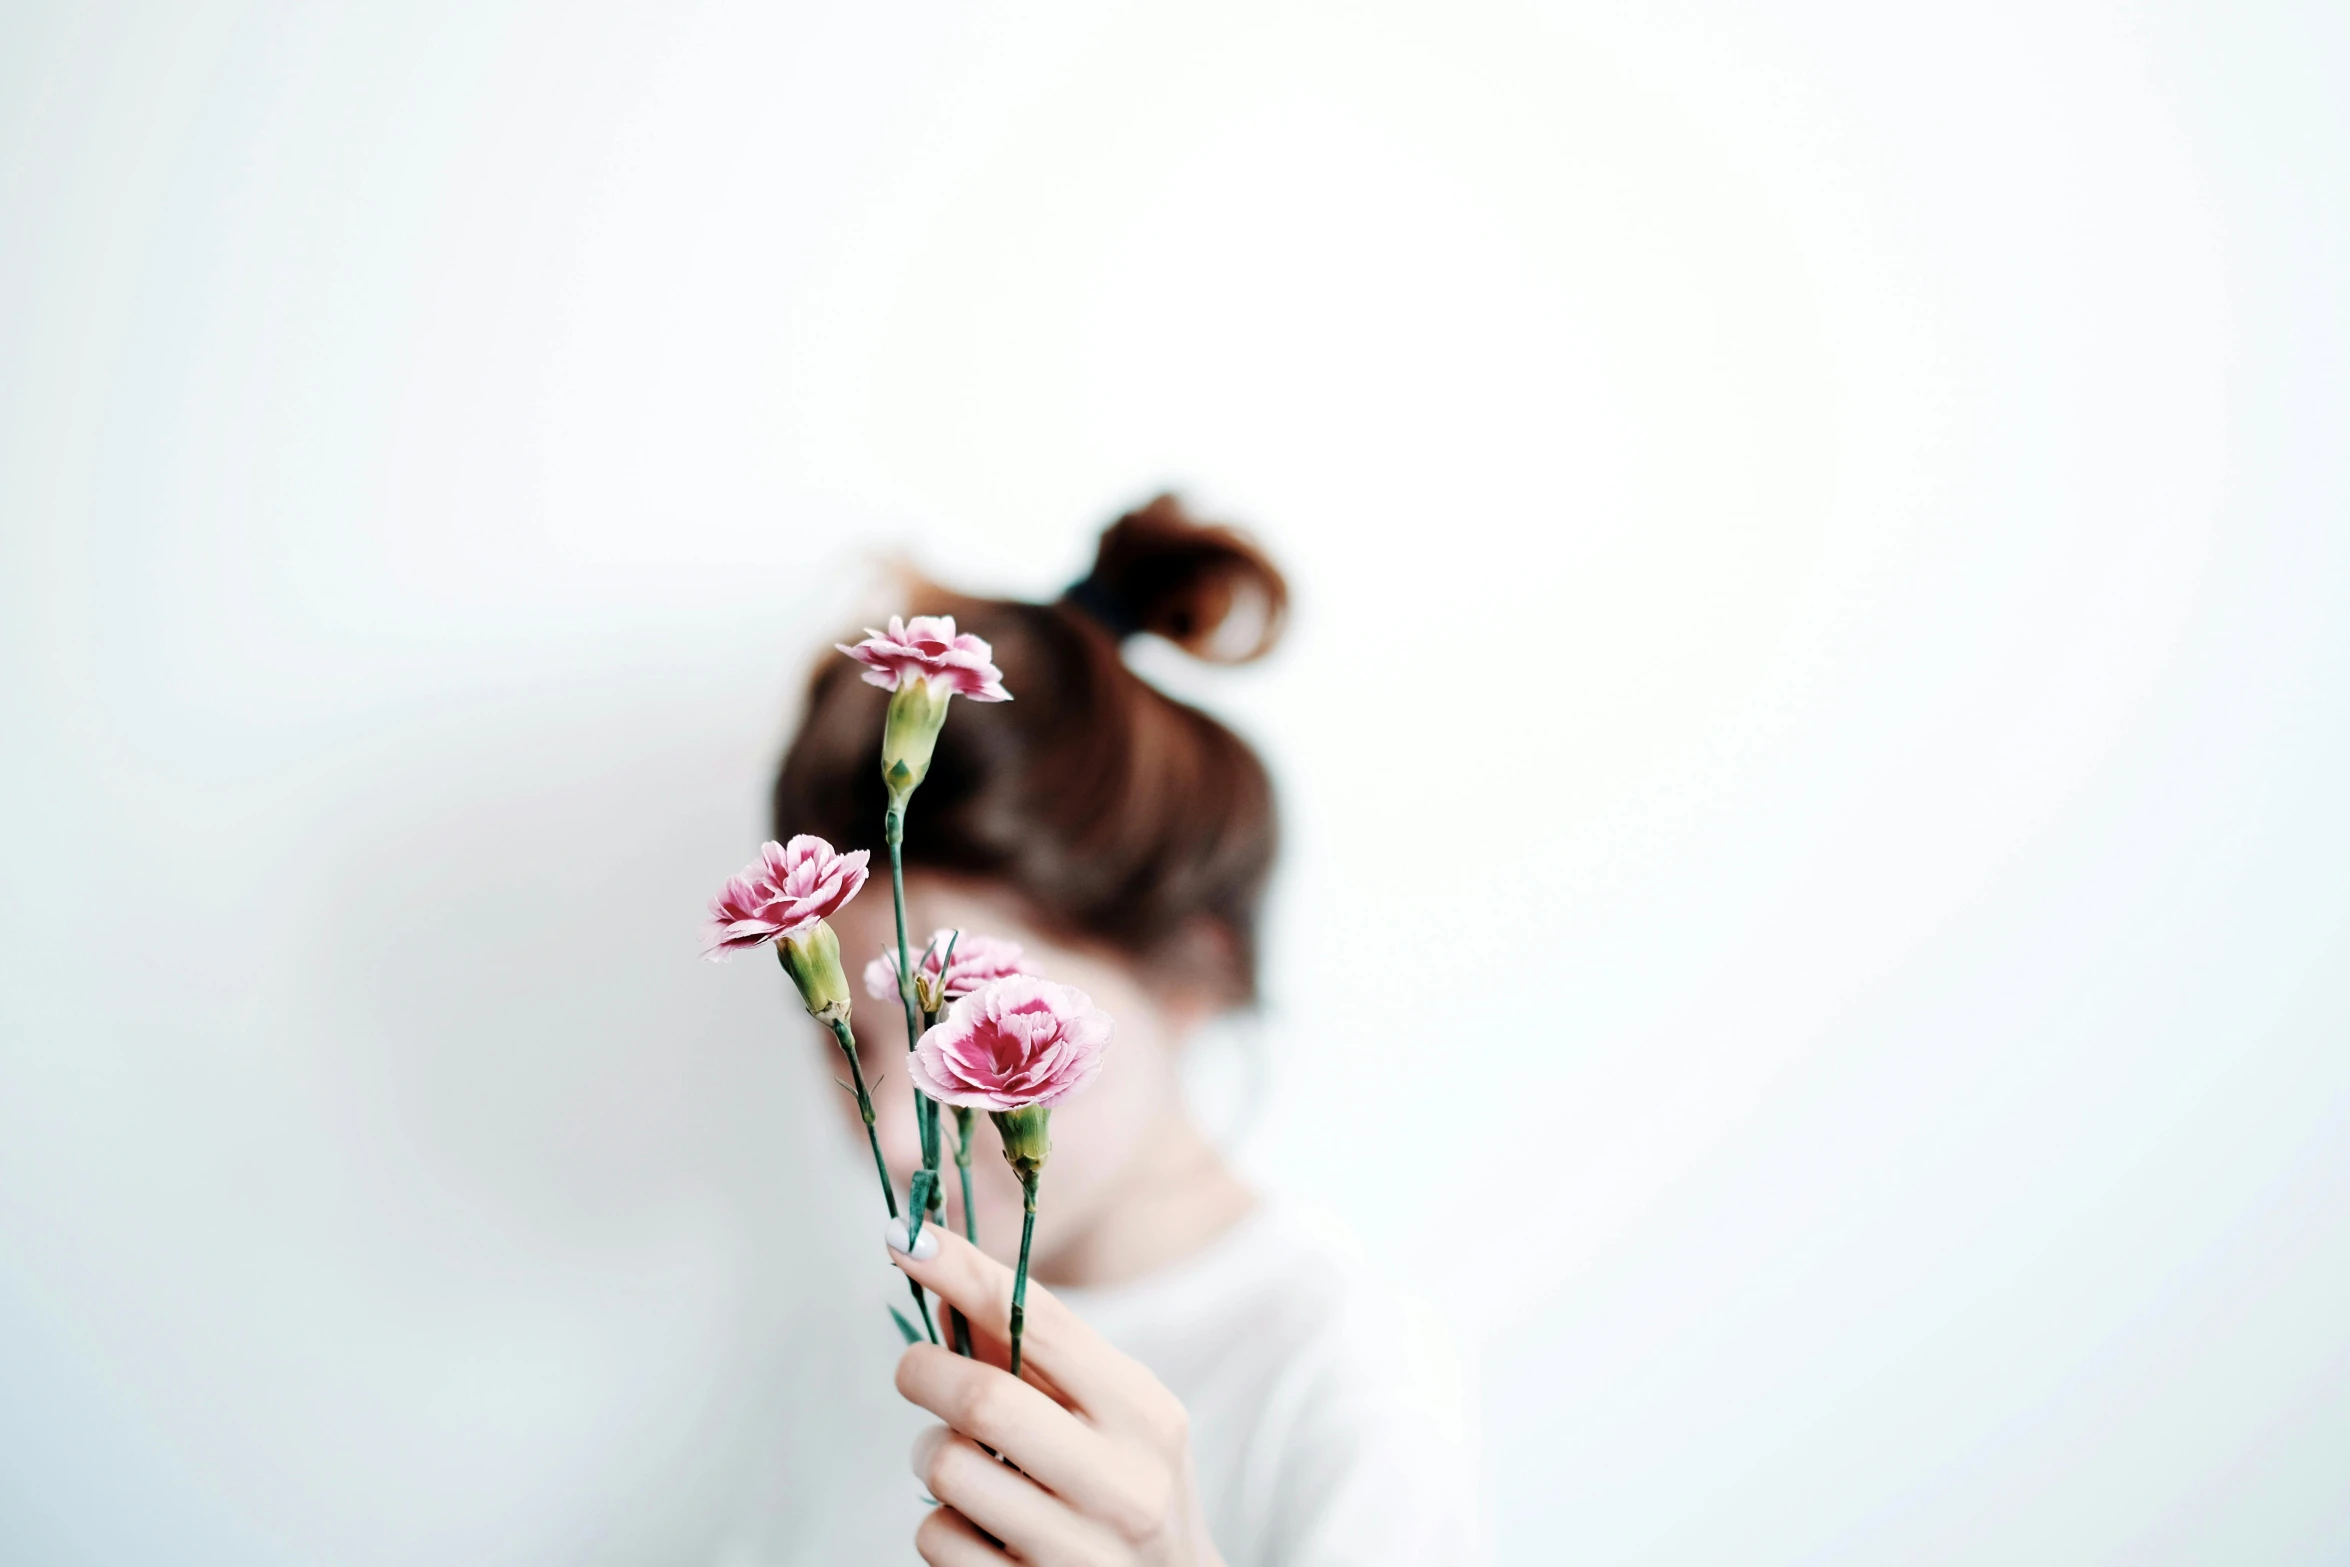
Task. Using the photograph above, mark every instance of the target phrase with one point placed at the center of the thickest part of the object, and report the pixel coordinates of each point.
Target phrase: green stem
(964, 1116)
(1020, 1277)
(848, 1047)
(893, 827)
(923, 1301)
(893, 831)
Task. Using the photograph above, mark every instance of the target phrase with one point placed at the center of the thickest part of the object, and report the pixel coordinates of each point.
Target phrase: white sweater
(1328, 1417)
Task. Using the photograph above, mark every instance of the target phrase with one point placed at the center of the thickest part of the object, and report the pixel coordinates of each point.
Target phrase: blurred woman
(1207, 1379)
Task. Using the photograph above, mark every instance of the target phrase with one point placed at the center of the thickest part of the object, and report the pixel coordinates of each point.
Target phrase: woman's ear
(1196, 975)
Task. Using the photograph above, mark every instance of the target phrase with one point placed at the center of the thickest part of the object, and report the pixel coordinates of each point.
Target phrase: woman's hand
(1096, 1454)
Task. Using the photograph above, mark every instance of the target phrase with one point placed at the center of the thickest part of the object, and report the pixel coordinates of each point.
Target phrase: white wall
(1822, 534)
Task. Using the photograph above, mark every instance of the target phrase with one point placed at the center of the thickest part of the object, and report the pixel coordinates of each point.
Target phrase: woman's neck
(1174, 1197)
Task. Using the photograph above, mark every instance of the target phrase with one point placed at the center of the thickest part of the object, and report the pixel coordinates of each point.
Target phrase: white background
(1815, 740)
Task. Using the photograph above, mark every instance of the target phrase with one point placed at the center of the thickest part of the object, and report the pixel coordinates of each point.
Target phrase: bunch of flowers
(983, 1030)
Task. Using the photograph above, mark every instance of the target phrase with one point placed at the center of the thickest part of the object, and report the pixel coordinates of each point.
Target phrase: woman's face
(1095, 1136)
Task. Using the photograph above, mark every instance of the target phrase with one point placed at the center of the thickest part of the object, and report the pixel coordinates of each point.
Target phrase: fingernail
(925, 1244)
(924, 1446)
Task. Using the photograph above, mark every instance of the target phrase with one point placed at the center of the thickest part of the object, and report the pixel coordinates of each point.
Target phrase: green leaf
(913, 1333)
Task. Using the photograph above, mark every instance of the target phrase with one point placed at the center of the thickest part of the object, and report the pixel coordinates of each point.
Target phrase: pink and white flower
(929, 648)
(1015, 1044)
(977, 961)
(791, 887)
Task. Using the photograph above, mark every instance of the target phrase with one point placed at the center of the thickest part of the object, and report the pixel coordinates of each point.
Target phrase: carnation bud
(812, 959)
(929, 992)
(917, 711)
(1025, 1142)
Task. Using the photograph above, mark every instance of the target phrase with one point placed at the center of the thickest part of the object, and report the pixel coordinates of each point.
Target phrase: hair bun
(1204, 587)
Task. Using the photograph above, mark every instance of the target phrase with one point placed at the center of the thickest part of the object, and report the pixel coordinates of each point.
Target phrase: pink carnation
(1017, 1042)
(929, 648)
(792, 886)
(978, 959)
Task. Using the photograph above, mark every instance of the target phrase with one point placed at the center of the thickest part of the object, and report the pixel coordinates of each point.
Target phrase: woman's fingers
(997, 1498)
(948, 1539)
(987, 1405)
(1109, 1468)
(1081, 1466)
(1108, 1386)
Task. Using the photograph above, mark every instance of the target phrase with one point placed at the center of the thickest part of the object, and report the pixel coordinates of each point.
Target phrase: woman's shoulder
(1329, 1407)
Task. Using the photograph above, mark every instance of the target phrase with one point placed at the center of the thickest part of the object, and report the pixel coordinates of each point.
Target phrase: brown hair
(1110, 809)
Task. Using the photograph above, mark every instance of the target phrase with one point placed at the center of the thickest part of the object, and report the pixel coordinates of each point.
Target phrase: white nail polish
(925, 1245)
